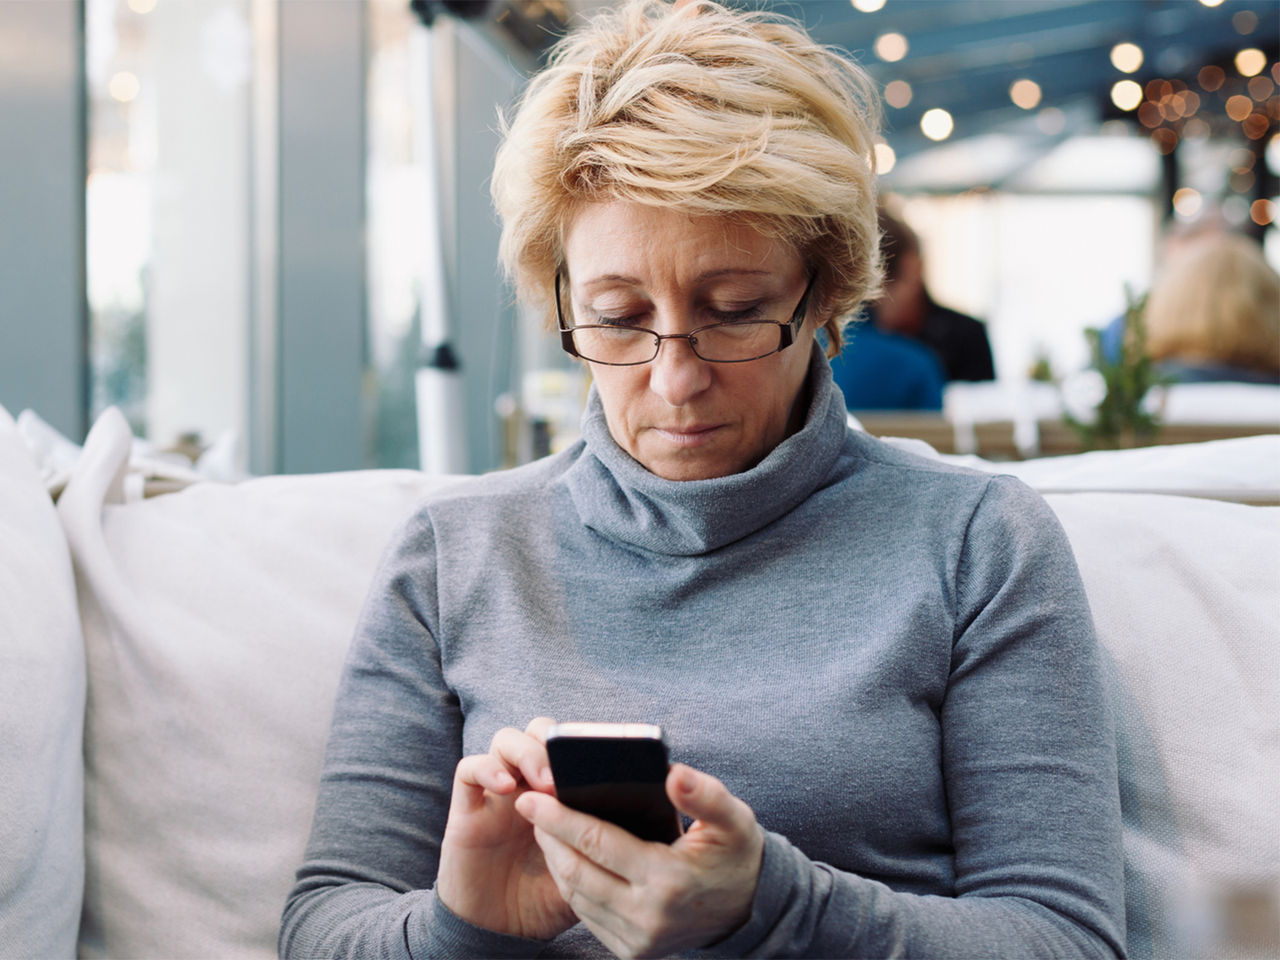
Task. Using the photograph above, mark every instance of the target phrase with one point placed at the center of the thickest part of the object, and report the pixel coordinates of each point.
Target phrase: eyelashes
(707, 314)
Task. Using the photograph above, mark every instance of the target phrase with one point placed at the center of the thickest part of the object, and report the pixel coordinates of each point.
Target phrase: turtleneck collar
(621, 500)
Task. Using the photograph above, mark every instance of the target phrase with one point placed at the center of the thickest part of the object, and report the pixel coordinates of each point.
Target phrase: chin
(693, 468)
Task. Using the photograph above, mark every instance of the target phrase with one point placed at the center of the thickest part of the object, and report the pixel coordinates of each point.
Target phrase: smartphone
(617, 772)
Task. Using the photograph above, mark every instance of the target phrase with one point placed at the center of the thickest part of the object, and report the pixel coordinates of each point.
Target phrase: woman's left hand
(650, 899)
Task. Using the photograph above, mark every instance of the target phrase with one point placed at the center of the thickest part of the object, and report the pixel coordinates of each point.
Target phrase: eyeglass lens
(724, 342)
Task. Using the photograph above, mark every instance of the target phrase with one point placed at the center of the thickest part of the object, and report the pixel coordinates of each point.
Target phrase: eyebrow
(701, 278)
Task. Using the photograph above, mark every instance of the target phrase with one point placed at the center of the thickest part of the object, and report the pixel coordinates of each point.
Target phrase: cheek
(618, 388)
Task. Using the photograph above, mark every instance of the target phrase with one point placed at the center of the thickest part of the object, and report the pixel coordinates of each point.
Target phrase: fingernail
(545, 774)
(524, 805)
(505, 779)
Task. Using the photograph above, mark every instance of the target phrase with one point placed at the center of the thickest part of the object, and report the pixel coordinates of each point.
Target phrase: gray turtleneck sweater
(890, 660)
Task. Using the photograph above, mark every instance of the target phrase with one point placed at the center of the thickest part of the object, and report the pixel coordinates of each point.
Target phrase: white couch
(167, 667)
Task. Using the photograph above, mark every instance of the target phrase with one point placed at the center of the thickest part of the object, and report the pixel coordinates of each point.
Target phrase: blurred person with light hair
(1214, 313)
(878, 672)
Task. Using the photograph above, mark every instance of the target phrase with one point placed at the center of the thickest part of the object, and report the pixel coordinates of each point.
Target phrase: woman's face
(681, 417)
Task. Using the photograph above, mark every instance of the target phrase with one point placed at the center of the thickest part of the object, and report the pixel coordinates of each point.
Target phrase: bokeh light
(1239, 107)
(1261, 88)
(937, 124)
(867, 6)
(1262, 212)
(1255, 126)
(123, 86)
(1251, 61)
(1196, 129)
(1245, 22)
(1164, 140)
(1149, 114)
(1051, 121)
(1211, 78)
(1126, 94)
(1126, 57)
(885, 158)
(1211, 3)
(142, 6)
(1187, 203)
(898, 93)
(891, 47)
(1025, 94)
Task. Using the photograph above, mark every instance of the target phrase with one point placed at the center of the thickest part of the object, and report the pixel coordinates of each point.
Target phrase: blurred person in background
(1177, 236)
(906, 309)
(1214, 313)
(883, 371)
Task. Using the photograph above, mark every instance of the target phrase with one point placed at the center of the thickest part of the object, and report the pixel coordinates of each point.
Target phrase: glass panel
(403, 244)
(168, 201)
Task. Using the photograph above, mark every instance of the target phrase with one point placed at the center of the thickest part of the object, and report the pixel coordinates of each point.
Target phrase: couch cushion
(42, 690)
(216, 622)
(1186, 595)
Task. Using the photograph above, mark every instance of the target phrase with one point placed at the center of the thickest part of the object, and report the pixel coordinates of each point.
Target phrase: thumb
(707, 800)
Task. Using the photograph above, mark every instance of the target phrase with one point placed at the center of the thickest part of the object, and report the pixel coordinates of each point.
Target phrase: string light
(1239, 107)
(1261, 88)
(891, 47)
(1025, 94)
(1245, 22)
(1250, 61)
(1051, 121)
(885, 158)
(123, 86)
(1126, 94)
(937, 124)
(1126, 57)
(1187, 202)
(1211, 78)
(898, 93)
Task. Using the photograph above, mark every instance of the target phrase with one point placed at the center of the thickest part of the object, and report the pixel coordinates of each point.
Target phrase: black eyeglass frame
(786, 332)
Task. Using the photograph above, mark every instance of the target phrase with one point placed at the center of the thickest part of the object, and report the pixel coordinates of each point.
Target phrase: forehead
(638, 243)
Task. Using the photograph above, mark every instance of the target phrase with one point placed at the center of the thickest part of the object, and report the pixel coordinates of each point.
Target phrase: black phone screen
(620, 779)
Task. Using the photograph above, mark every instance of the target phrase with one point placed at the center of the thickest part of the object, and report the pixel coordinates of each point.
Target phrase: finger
(477, 774)
(577, 876)
(605, 844)
(596, 896)
(526, 756)
(538, 728)
(707, 800)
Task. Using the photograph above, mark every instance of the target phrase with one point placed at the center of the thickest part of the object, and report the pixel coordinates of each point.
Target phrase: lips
(686, 436)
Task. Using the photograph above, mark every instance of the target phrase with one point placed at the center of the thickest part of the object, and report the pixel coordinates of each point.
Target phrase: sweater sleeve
(364, 889)
(1029, 766)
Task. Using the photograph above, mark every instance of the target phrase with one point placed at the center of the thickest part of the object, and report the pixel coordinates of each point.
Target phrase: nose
(678, 374)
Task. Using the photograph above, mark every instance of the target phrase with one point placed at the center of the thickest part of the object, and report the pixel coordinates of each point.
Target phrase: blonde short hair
(1217, 301)
(707, 111)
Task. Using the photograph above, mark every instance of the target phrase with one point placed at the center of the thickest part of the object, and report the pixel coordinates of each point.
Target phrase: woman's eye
(621, 320)
(735, 315)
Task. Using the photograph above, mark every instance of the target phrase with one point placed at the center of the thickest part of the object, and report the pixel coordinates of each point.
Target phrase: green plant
(1122, 418)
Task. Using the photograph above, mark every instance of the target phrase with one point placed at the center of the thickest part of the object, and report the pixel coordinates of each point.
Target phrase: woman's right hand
(492, 873)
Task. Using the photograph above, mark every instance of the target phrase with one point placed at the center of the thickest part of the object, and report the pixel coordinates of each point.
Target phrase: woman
(1214, 314)
(878, 673)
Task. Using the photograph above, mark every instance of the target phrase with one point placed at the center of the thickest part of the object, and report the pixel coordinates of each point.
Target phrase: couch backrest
(42, 698)
(216, 620)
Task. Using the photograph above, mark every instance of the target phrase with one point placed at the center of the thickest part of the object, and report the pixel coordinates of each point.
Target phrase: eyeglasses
(735, 341)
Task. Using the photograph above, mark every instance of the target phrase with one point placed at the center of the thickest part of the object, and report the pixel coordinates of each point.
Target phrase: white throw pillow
(42, 690)
(1186, 597)
(216, 622)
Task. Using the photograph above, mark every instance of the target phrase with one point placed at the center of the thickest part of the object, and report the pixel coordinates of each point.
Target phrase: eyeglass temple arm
(566, 333)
